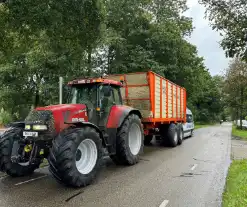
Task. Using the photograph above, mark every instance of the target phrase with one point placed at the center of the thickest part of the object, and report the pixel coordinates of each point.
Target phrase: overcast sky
(206, 40)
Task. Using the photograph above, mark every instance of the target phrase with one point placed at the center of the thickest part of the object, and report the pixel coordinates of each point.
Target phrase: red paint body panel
(59, 114)
(117, 112)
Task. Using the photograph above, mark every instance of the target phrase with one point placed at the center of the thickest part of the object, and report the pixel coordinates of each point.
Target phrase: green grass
(235, 194)
(198, 126)
(239, 133)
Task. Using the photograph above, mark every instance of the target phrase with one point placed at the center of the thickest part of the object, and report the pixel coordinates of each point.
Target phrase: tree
(235, 87)
(229, 17)
(52, 39)
(92, 37)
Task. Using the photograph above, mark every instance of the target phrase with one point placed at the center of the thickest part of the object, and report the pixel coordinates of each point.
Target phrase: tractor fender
(82, 124)
(118, 114)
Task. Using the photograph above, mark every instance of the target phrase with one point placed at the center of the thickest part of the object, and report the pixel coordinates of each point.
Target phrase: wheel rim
(181, 134)
(24, 163)
(86, 156)
(176, 136)
(135, 139)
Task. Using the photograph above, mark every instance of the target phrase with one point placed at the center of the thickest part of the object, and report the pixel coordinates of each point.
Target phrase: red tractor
(73, 136)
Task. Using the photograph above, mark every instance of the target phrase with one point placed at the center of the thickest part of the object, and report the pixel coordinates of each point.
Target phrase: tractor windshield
(83, 94)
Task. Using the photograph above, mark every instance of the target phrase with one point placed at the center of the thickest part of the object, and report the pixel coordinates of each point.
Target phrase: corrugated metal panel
(169, 100)
(182, 96)
(164, 95)
(179, 102)
(157, 97)
(164, 101)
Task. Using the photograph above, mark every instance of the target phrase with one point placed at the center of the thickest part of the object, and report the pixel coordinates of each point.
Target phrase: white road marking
(164, 203)
(27, 181)
(194, 166)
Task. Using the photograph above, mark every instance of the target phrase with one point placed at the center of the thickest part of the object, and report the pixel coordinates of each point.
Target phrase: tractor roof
(95, 80)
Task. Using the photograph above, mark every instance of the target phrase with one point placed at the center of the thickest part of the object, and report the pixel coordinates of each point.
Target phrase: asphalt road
(192, 174)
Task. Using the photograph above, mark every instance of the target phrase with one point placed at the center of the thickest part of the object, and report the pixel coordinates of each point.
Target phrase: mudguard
(80, 124)
(118, 115)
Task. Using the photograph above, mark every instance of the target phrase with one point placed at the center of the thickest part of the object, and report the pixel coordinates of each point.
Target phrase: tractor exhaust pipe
(60, 90)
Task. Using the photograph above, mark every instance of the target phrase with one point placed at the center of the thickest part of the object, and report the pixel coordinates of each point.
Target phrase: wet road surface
(192, 174)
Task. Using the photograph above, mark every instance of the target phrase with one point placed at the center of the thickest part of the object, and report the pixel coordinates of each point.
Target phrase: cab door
(108, 96)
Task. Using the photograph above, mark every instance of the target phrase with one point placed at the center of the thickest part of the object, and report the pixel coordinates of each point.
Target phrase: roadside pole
(60, 90)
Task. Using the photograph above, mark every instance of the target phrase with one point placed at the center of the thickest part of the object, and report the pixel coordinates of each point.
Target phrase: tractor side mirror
(65, 93)
(66, 88)
(107, 91)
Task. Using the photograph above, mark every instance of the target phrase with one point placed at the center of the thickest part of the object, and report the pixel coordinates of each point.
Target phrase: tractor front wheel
(76, 156)
(6, 146)
(130, 141)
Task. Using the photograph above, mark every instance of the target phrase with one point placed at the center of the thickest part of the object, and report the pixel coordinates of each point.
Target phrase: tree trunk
(36, 98)
(109, 60)
(241, 105)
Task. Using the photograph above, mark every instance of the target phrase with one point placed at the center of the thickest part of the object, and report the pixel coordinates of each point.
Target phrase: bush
(5, 117)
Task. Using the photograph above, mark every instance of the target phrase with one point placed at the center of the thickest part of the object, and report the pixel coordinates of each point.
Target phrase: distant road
(192, 174)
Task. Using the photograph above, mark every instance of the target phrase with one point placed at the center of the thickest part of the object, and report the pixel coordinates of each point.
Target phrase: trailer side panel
(158, 99)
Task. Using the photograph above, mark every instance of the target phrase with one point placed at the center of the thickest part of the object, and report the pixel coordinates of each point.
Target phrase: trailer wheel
(130, 138)
(171, 135)
(6, 165)
(180, 134)
(148, 139)
(76, 156)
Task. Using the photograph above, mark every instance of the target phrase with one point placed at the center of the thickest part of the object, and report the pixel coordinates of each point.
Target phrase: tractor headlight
(27, 127)
(40, 127)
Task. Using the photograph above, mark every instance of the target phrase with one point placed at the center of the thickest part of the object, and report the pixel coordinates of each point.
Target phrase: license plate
(30, 134)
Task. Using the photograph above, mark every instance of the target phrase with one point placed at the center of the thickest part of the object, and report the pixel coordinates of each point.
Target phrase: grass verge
(239, 133)
(235, 194)
(198, 126)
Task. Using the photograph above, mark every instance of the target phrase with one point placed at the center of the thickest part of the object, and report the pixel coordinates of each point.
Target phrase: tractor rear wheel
(76, 156)
(6, 146)
(130, 141)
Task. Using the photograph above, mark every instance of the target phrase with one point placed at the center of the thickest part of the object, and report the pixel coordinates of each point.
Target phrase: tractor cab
(99, 95)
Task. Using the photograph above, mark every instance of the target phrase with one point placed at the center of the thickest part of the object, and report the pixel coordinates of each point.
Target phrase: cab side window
(106, 100)
(189, 118)
(116, 94)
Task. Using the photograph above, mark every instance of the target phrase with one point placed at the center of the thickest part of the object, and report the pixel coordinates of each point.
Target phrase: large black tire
(6, 145)
(123, 155)
(169, 135)
(148, 139)
(63, 156)
(180, 134)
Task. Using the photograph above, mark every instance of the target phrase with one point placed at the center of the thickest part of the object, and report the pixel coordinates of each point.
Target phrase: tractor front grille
(41, 117)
